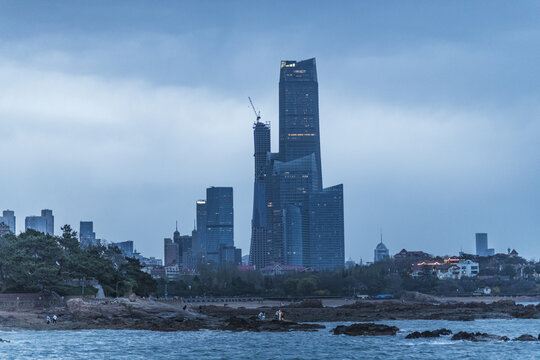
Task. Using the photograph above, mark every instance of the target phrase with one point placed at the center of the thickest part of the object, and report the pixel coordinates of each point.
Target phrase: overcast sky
(124, 113)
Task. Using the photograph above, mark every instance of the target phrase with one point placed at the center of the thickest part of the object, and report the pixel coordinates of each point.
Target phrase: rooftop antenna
(257, 114)
(176, 225)
(381, 235)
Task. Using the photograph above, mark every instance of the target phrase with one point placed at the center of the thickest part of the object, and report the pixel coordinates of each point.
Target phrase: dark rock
(477, 336)
(525, 337)
(428, 334)
(238, 324)
(365, 329)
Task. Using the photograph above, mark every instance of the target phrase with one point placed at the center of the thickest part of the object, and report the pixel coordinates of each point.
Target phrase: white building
(464, 268)
(172, 272)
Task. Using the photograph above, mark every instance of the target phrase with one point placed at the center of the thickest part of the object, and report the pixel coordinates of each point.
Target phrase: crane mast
(257, 114)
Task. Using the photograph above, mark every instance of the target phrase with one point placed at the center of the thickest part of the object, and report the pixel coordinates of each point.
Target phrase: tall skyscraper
(200, 237)
(170, 252)
(482, 245)
(49, 219)
(87, 236)
(126, 247)
(324, 229)
(258, 249)
(8, 218)
(220, 221)
(177, 241)
(304, 222)
(299, 112)
(37, 223)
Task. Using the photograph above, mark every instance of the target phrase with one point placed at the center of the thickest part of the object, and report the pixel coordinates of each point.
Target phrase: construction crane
(257, 114)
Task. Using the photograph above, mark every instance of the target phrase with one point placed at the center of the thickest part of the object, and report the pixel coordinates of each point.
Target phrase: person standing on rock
(54, 318)
(48, 320)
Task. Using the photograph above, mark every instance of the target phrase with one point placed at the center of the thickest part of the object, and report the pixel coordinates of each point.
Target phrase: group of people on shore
(279, 315)
(54, 319)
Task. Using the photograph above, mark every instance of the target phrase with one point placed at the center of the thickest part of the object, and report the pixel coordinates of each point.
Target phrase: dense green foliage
(386, 277)
(33, 261)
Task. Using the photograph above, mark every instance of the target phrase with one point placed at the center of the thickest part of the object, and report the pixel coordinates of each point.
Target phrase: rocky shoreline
(143, 314)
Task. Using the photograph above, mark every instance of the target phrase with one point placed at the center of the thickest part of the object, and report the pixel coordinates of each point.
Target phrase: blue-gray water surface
(130, 344)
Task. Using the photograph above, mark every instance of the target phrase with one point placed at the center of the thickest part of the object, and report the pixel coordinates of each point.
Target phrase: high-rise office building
(8, 218)
(220, 221)
(126, 247)
(176, 239)
(37, 223)
(199, 246)
(43, 223)
(258, 249)
(304, 222)
(87, 236)
(482, 245)
(49, 219)
(170, 252)
(323, 229)
(299, 112)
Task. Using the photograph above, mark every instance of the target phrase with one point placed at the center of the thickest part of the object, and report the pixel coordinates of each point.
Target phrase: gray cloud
(430, 121)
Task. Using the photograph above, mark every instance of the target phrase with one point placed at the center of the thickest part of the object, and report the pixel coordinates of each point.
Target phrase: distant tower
(170, 250)
(381, 251)
(86, 234)
(258, 252)
(49, 220)
(201, 221)
(482, 245)
(8, 218)
(220, 221)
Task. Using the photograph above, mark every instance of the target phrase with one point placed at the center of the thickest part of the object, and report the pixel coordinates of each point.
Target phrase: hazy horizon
(124, 113)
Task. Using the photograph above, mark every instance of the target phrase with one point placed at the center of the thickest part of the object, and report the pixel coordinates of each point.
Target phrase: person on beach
(54, 318)
(48, 319)
(280, 315)
(277, 314)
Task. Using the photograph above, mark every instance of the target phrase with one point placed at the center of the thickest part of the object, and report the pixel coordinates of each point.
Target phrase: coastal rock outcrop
(477, 336)
(365, 329)
(525, 337)
(238, 324)
(428, 334)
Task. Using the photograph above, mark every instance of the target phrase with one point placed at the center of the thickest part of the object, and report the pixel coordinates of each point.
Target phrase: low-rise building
(404, 254)
(451, 268)
(172, 272)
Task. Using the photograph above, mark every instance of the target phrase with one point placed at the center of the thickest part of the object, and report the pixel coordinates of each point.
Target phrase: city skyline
(429, 125)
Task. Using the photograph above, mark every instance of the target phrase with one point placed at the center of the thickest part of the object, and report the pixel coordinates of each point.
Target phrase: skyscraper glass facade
(200, 240)
(304, 222)
(87, 234)
(299, 112)
(8, 218)
(220, 221)
(49, 219)
(36, 223)
(257, 256)
(324, 230)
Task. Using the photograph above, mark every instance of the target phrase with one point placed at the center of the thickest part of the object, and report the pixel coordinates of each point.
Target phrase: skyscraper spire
(176, 225)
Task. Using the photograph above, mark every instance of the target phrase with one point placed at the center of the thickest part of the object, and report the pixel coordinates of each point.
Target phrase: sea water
(206, 344)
